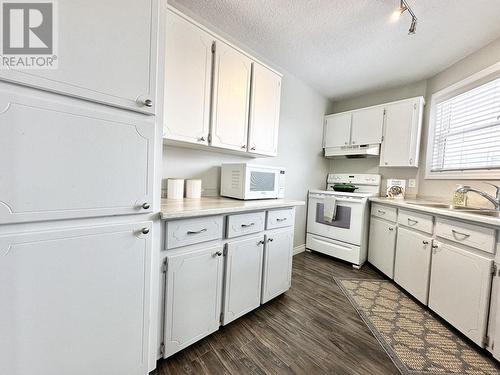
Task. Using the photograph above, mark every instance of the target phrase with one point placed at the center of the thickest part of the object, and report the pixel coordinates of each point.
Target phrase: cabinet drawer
(466, 234)
(239, 225)
(190, 231)
(415, 220)
(385, 212)
(280, 218)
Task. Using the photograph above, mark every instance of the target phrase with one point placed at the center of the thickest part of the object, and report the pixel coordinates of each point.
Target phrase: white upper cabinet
(215, 94)
(461, 278)
(232, 72)
(188, 75)
(106, 52)
(264, 111)
(367, 126)
(75, 301)
(403, 123)
(337, 130)
(64, 158)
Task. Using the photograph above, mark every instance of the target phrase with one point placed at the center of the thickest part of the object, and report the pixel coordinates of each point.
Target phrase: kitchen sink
(468, 210)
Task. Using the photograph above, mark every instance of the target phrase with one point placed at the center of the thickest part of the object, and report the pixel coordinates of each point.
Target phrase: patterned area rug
(417, 342)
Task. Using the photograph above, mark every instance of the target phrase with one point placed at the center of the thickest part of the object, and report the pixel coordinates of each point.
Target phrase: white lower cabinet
(412, 264)
(382, 244)
(193, 296)
(277, 273)
(243, 277)
(460, 289)
(75, 301)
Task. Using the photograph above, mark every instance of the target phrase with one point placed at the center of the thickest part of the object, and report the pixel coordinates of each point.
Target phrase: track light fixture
(403, 7)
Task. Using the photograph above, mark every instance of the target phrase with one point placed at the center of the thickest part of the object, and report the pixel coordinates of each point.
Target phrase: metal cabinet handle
(410, 221)
(196, 231)
(201, 139)
(353, 142)
(146, 206)
(435, 246)
(381, 212)
(270, 239)
(218, 254)
(465, 235)
(425, 242)
(252, 149)
(247, 225)
(281, 219)
(261, 242)
(243, 147)
(346, 143)
(145, 102)
(391, 229)
(145, 230)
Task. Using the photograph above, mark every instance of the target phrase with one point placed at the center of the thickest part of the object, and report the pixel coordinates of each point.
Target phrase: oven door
(348, 223)
(261, 183)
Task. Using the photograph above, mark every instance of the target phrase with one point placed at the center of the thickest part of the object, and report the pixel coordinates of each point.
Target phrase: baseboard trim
(299, 249)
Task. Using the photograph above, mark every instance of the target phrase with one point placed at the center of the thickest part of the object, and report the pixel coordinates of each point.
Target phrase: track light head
(413, 26)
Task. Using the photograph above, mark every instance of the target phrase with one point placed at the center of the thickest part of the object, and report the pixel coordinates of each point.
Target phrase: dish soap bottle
(459, 198)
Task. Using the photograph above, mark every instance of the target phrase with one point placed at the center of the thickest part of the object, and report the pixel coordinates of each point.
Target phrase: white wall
(437, 189)
(299, 150)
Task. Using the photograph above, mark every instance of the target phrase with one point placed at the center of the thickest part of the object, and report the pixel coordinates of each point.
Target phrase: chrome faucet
(494, 200)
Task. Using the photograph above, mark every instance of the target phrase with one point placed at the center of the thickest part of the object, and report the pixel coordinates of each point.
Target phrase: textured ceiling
(345, 47)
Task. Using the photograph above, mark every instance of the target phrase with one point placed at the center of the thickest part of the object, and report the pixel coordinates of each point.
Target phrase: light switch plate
(412, 183)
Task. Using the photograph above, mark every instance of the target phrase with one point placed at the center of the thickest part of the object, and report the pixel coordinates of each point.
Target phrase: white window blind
(467, 130)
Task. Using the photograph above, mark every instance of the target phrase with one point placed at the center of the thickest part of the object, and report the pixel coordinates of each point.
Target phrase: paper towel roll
(175, 188)
(193, 189)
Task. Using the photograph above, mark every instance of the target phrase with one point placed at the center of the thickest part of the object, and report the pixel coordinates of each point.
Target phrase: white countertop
(456, 214)
(185, 208)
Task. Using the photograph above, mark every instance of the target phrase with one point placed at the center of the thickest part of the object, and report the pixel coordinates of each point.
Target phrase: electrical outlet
(412, 183)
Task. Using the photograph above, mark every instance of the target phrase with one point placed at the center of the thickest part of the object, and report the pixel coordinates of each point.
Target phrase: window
(464, 139)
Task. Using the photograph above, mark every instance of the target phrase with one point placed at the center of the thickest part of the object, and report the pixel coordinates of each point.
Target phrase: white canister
(193, 189)
(175, 188)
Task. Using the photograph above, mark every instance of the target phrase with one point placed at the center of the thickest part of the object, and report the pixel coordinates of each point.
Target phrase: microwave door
(262, 184)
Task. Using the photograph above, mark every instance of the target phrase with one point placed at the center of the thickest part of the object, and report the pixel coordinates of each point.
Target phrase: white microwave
(252, 181)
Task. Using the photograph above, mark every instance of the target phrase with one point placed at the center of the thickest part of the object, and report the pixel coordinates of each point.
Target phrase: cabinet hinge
(415, 106)
(494, 269)
(164, 266)
(213, 47)
(385, 111)
(225, 251)
(209, 138)
(486, 341)
(382, 139)
(162, 349)
(221, 317)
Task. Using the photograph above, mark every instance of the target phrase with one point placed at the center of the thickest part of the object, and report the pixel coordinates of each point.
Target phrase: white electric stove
(346, 237)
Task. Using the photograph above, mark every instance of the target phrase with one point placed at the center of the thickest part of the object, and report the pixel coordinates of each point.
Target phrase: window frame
(475, 80)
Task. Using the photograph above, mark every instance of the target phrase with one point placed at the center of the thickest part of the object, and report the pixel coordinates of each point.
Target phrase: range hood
(354, 151)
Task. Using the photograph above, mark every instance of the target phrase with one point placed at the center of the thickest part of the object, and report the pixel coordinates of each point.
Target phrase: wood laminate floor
(312, 329)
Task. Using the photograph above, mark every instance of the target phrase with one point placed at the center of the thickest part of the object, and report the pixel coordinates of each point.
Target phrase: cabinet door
(495, 317)
(338, 130)
(400, 135)
(277, 272)
(106, 53)
(460, 288)
(193, 297)
(231, 99)
(65, 158)
(382, 244)
(188, 72)
(367, 126)
(264, 111)
(413, 261)
(243, 277)
(75, 301)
